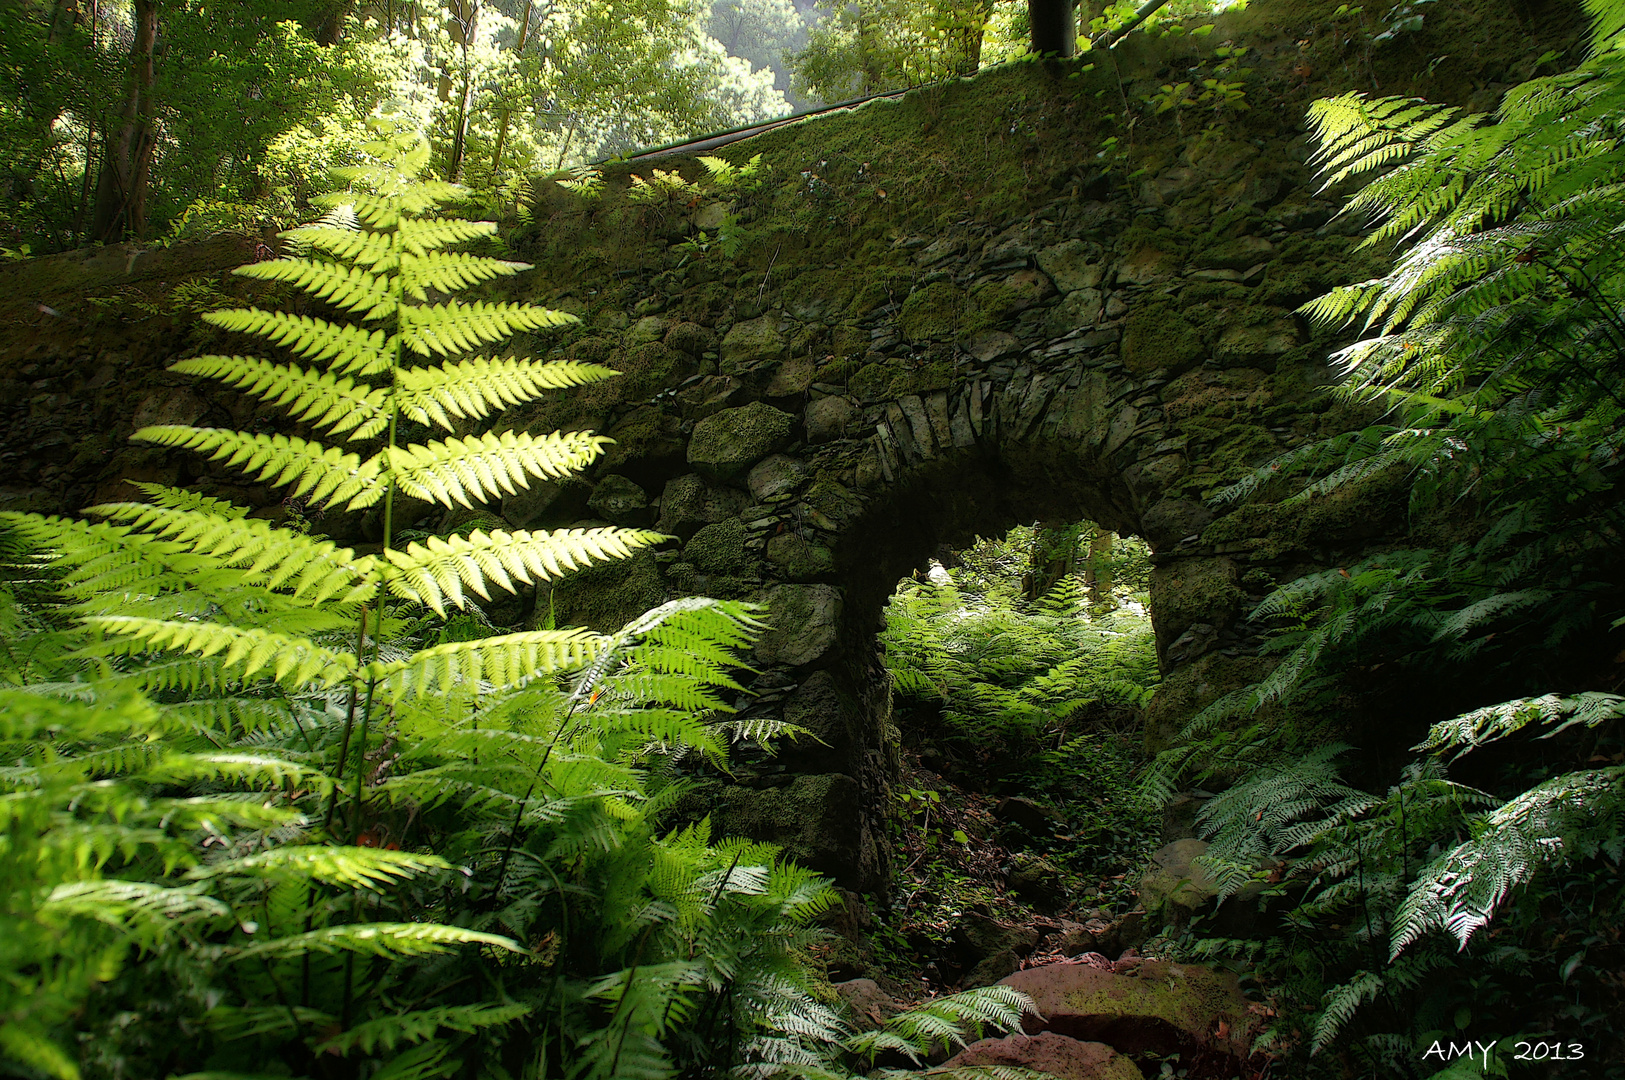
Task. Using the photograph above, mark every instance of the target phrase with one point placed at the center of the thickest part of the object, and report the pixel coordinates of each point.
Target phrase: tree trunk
(1054, 27)
(1050, 559)
(460, 25)
(507, 110)
(121, 190)
(1097, 576)
(330, 30)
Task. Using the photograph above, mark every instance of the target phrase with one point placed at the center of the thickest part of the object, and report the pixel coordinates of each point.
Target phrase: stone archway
(946, 313)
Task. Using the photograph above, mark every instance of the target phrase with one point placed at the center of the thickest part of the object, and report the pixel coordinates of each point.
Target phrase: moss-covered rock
(607, 596)
(811, 817)
(751, 343)
(725, 446)
(1158, 336)
(720, 549)
(932, 313)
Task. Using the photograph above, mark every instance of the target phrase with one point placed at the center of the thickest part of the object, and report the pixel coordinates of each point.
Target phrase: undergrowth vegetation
(1473, 894)
(271, 809)
(1039, 700)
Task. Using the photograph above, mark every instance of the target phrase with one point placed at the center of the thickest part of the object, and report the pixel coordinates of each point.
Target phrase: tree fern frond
(388, 1032)
(455, 327)
(1460, 891)
(348, 867)
(273, 557)
(422, 235)
(182, 499)
(482, 467)
(1485, 725)
(249, 650)
(347, 288)
(472, 389)
(353, 244)
(351, 350)
(119, 902)
(449, 271)
(386, 940)
(436, 572)
(502, 661)
(319, 473)
(322, 400)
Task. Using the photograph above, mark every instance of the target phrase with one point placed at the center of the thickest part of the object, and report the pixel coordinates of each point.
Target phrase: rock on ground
(1162, 1008)
(1051, 1054)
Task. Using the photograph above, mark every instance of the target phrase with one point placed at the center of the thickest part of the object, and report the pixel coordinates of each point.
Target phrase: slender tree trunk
(330, 30)
(460, 25)
(1050, 559)
(121, 190)
(1054, 27)
(507, 110)
(1098, 576)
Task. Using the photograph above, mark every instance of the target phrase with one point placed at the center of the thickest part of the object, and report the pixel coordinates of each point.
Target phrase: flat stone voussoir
(1160, 1008)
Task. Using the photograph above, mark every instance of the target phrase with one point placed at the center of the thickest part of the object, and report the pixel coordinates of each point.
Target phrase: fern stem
(349, 721)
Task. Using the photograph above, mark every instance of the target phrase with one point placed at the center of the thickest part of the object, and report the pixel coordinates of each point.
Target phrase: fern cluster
(1495, 347)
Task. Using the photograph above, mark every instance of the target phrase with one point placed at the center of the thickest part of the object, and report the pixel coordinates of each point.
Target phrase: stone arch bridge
(1025, 296)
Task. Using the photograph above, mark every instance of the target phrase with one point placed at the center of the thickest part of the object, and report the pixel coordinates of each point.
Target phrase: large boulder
(1161, 1008)
(689, 503)
(724, 446)
(866, 1003)
(803, 621)
(1050, 1054)
(1175, 886)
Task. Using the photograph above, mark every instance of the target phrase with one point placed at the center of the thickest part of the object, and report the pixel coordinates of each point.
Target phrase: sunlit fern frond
(350, 350)
(435, 573)
(455, 327)
(422, 235)
(1480, 726)
(183, 499)
(321, 400)
(479, 468)
(100, 559)
(472, 389)
(347, 288)
(248, 651)
(500, 661)
(347, 867)
(1460, 891)
(273, 557)
(387, 940)
(319, 473)
(449, 271)
(353, 244)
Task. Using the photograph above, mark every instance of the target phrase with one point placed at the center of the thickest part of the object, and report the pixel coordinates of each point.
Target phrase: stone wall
(947, 314)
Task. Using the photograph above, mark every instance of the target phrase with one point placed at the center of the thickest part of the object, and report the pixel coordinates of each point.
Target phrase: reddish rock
(1049, 1053)
(1159, 1008)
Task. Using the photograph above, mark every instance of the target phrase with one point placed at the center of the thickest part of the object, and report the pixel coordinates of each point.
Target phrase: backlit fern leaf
(272, 557)
(388, 1032)
(318, 473)
(435, 573)
(248, 651)
(353, 244)
(322, 400)
(348, 867)
(471, 389)
(352, 350)
(455, 327)
(347, 288)
(483, 467)
(387, 940)
(501, 661)
(1460, 891)
(422, 235)
(448, 271)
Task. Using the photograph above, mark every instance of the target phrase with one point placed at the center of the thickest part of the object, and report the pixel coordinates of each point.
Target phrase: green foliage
(1008, 676)
(1496, 344)
(267, 809)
